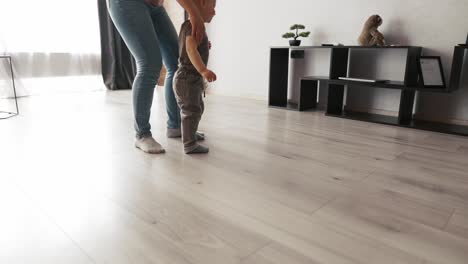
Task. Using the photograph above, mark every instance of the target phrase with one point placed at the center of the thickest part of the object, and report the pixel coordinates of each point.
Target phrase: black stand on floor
(10, 114)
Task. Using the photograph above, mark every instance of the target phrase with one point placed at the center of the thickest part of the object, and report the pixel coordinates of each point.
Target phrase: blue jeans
(151, 38)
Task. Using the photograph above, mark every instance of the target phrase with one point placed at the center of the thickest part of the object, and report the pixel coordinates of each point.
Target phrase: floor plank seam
(127, 206)
(398, 155)
(461, 149)
(226, 205)
(416, 148)
(242, 213)
(374, 170)
(323, 205)
(42, 210)
(449, 219)
(256, 251)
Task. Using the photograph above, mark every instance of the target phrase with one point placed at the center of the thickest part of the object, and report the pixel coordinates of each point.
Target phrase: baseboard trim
(442, 120)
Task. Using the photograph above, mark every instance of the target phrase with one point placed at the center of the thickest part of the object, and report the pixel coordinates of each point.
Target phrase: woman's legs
(133, 20)
(169, 44)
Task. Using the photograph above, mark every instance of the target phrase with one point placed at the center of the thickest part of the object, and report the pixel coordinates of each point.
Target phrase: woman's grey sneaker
(149, 145)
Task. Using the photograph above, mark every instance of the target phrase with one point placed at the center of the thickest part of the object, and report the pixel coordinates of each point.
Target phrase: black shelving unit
(339, 57)
(459, 54)
(279, 68)
(9, 114)
(339, 67)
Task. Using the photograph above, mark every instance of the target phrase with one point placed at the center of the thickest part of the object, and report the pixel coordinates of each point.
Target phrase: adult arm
(198, 26)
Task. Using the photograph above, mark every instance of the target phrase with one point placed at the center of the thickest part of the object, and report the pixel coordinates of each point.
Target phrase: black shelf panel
(313, 47)
(374, 118)
(389, 84)
(458, 60)
(290, 106)
(278, 83)
(381, 47)
(441, 127)
(344, 47)
(398, 85)
(434, 90)
(415, 124)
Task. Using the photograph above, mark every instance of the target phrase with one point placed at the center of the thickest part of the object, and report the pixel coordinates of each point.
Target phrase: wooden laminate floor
(278, 187)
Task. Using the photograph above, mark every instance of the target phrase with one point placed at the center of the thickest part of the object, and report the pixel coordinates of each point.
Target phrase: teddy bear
(370, 36)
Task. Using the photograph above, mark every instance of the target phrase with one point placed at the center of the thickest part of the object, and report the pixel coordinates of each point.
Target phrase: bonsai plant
(296, 35)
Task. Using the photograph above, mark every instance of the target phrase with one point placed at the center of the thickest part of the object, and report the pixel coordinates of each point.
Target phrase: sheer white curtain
(55, 44)
(48, 39)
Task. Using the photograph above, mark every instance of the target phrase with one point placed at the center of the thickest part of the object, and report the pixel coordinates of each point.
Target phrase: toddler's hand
(209, 75)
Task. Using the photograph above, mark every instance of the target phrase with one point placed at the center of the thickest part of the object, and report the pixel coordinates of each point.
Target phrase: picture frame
(431, 73)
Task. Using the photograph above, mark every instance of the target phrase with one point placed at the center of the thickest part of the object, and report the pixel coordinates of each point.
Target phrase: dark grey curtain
(118, 65)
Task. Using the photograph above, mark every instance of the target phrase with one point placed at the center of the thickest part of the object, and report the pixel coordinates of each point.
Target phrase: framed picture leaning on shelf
(431, 73)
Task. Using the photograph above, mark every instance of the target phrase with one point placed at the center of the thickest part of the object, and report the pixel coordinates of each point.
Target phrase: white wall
(243, 31)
